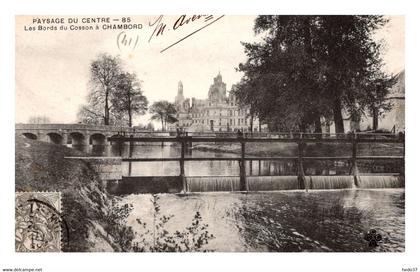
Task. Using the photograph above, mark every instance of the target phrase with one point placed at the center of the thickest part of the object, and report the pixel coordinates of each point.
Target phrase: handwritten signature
(160, 28)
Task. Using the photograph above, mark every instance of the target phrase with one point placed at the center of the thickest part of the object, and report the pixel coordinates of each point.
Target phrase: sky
(52, 66)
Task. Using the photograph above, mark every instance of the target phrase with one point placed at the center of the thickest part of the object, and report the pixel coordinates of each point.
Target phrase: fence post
(120, 143)
(355, 170)
(181, 166)
(250, 168)
(242, 173)
(130, 154)
(401, 136)
(301, 172)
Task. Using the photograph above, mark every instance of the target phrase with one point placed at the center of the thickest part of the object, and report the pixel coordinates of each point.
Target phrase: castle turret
(180, 88)
(179, 98)
(217, 91)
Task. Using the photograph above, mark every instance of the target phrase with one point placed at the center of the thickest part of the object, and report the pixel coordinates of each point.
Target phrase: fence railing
(301, 139)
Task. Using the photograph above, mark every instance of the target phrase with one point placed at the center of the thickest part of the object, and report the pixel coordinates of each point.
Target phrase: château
(218, 112)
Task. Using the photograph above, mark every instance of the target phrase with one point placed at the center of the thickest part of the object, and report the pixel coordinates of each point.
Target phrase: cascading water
(330, 182)
(382, 182)
(213, 184)
(272, 183)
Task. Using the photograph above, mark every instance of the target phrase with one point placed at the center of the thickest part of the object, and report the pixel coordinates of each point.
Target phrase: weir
(213, 184)
(382, 182)
(331, 182)
(244, 182)
(173, 184)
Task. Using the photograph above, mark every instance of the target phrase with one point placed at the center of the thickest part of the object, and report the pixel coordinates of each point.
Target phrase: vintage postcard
(210, 133)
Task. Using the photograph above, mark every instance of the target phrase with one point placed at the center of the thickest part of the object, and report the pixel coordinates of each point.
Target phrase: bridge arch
(77, 138)
(97, 139)
(114, 136)
(54, 138)
(29, 135)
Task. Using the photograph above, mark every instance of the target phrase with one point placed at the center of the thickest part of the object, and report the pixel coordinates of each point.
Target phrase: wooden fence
(298, 138)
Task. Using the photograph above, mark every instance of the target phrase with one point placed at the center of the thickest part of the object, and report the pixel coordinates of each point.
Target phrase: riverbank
(86, 207)
(312, 149)
(255, 149)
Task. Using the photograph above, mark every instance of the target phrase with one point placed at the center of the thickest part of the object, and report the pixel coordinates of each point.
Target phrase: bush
(116, 225)
(191, 239)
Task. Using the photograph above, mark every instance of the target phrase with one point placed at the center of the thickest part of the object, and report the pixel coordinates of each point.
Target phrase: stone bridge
(77, 134)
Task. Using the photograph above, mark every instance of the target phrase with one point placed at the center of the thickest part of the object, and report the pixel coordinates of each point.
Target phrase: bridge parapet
(75, 127)
(76, 134)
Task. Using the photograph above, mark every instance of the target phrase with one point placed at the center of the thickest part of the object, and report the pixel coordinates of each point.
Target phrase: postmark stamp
(37, 222)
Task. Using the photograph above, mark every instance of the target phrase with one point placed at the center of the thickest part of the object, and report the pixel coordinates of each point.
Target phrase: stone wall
(108, 168)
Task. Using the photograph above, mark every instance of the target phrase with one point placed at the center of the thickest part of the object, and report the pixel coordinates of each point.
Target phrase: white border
(216, 261)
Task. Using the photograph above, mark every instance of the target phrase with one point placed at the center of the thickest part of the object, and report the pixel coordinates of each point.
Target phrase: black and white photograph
(208, 136)
(205, 133)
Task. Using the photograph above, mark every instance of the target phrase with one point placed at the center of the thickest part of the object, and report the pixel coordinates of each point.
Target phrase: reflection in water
(287, 221)
(223, 168)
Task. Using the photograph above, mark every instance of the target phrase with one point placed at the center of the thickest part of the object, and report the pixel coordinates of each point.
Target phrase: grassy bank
(86, 207)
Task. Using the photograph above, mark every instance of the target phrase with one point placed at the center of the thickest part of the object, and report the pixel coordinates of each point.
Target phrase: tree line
(116, 97)
(313, 70)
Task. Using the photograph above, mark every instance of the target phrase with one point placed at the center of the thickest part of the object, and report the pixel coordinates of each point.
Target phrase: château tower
(217, 91)
(180, 96)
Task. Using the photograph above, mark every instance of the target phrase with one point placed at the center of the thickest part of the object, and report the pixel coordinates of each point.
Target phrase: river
(288, 221)
(280, 221)
(213, 168)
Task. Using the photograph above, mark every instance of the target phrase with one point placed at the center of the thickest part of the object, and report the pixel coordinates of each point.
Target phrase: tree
(128, 97)
(92, 113)
(104, 76)
(87, 114)
(163, 111)
(353, 61)
(115, 96)
(150, 126)
(281, 74)
(377, 101)
(311, 68)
